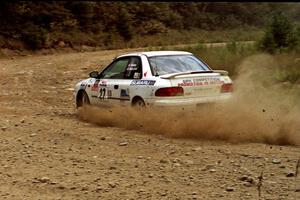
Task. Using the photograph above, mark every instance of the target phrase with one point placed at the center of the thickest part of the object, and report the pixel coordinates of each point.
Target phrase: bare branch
(297, 168)
(259, 184)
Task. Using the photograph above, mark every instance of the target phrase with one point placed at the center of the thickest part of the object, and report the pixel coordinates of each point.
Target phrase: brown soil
(49, 152)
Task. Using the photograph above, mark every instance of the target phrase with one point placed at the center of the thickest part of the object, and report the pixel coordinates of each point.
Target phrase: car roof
(156, 53)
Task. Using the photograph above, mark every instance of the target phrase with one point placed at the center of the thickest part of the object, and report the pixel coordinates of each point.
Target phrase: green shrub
(289, 70)
(280, 35)
(33, 36)
(232, 47)
(297, 38)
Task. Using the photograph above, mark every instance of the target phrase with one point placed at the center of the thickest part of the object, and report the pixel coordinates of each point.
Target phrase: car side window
(134, 69)
(116, 69)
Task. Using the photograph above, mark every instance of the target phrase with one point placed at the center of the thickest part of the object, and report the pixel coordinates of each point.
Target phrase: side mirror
(94, 74)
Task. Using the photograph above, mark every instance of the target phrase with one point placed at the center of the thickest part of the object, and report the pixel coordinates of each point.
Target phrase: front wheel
(82, 100)
(85, 99)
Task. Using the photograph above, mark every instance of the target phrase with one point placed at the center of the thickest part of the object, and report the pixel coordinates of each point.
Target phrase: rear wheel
(138, 103)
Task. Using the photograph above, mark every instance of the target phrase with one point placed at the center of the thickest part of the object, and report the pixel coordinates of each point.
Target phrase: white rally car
(154, 78)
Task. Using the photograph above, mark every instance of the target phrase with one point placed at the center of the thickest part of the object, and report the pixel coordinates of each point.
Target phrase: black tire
(138, 103)
(83, 100)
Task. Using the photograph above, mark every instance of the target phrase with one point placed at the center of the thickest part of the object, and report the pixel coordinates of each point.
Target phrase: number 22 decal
(102, 93)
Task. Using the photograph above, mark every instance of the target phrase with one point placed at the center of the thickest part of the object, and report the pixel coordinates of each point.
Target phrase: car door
(115, 80)
(133, 71)
(109, 83)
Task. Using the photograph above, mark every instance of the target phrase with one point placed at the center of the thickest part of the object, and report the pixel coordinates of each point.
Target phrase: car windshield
(162, 65)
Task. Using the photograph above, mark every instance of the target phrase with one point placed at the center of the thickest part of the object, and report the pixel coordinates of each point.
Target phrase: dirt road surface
(47, 152)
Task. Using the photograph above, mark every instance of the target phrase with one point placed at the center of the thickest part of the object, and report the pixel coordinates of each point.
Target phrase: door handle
(116, 87)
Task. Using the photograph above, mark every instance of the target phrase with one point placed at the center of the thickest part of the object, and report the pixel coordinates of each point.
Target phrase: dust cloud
(261, 110)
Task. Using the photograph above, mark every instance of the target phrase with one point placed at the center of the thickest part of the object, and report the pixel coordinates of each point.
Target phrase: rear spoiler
(222, 72)
(169, 76)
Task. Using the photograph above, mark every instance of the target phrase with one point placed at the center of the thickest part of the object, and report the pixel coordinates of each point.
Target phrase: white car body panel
(198, 87)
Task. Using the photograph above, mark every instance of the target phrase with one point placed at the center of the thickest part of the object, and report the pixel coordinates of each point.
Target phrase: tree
(123, 24)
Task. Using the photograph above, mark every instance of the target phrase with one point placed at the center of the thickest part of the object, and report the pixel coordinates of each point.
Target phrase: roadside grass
(175, 37)
(226, 58)
(288, 74)
(289, 70)
(75, 39)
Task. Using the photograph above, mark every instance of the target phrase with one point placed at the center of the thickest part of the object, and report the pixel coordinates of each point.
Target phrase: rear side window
(162, 65)
(134, 69)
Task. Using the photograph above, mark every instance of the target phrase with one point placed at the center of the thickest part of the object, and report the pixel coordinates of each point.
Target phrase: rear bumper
(188, 102)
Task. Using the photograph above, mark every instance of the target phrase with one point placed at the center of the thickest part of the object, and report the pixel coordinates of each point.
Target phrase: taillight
(227, 87)
(169, 91)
